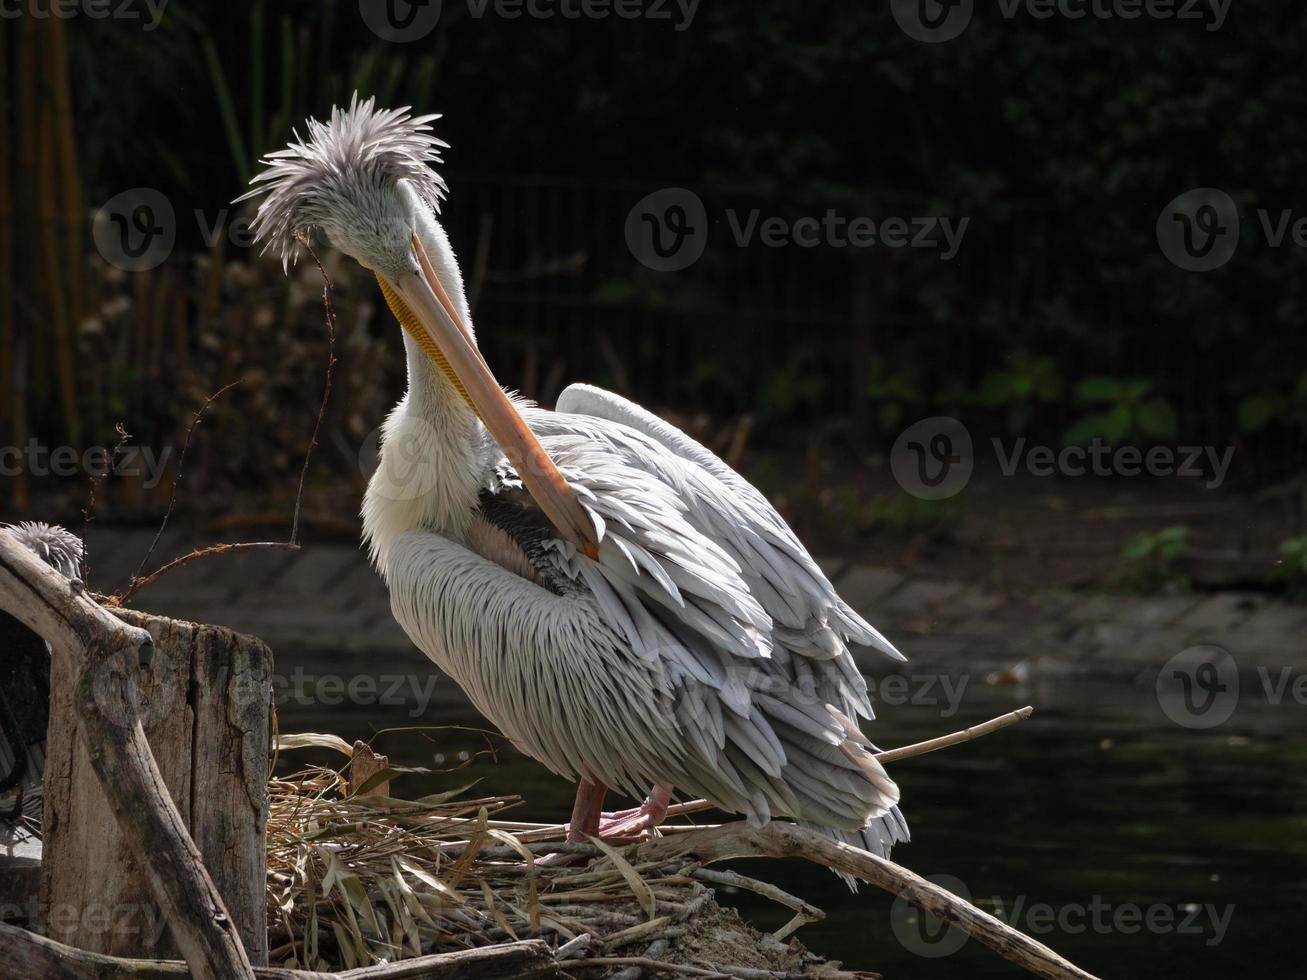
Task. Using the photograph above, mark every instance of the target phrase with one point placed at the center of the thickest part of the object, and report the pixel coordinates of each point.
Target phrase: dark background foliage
(1060, 140)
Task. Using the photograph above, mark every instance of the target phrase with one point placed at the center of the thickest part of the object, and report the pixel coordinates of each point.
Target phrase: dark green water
(1132, 846)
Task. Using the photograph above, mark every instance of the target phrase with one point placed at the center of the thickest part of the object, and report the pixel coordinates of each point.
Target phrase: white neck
(435, 452)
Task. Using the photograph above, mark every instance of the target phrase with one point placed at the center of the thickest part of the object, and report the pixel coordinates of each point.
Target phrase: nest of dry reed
(360, 878)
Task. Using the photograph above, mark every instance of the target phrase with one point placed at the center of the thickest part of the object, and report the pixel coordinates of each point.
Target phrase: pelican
(624, 606)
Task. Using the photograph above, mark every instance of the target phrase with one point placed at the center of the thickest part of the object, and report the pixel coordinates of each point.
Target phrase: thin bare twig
(329, 312)
(176, 481)
(88, 512)
(899, 754)
(966, 735)
(138, 583)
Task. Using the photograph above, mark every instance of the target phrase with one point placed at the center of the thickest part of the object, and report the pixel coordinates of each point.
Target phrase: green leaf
(1255, 412)
(1099, 390)
(1084, 430)
(1157, 419)
(1140, 546)
(1117, 424)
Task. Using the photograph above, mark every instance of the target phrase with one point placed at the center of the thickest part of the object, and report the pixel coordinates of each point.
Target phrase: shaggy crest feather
(57, 547)
(308, 183)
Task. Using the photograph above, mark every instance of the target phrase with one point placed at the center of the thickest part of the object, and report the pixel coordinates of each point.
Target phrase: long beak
(434, 322)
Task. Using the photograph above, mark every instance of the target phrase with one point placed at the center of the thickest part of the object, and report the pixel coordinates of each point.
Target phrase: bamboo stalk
(56, 291)
(27, 267)
(8, 284)
(71, 183)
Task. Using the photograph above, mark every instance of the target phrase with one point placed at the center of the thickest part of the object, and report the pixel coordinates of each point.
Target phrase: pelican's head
(364, 179)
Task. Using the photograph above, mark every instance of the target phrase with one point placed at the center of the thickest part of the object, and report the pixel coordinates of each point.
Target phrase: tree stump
(205, 700)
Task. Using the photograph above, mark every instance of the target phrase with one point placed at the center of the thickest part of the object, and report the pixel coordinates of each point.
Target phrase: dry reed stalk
(353, 879)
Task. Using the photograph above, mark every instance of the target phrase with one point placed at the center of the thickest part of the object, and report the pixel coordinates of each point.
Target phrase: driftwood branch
(783, 840)
(94, 639)
(26, 954)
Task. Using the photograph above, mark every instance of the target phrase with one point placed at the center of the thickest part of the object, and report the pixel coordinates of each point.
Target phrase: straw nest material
(359, 879)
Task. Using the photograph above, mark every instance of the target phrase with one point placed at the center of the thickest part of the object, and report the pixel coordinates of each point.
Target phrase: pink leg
(586, 810)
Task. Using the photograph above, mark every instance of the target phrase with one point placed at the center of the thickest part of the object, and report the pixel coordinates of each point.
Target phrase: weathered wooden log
(27, 954)
(204, 701)
(101, 647)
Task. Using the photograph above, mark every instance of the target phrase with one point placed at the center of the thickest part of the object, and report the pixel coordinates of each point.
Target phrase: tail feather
(878, 837)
